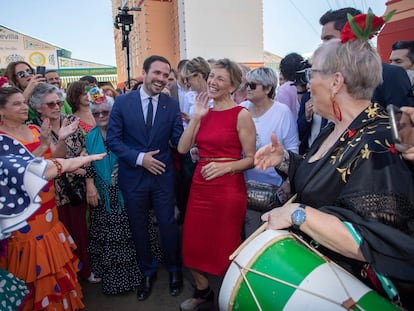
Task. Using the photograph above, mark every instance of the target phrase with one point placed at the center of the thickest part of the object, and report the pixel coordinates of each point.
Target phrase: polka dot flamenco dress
(41, 254)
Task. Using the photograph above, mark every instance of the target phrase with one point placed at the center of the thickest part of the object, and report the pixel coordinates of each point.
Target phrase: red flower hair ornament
(4, 82)
(363, 26)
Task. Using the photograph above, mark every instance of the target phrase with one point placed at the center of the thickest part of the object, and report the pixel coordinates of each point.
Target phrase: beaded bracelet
(58, 166)
(284, 165)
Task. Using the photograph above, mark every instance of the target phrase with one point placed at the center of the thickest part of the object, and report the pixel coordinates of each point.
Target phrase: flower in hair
(4, 82)
(363, 26)
(96, 96)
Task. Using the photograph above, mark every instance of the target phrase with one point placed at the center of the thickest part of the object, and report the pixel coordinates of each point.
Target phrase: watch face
(298, 217)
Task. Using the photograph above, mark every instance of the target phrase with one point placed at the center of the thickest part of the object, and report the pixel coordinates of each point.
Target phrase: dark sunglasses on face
(22, 74)
(52, 105)
(252, 85)
(102, 114)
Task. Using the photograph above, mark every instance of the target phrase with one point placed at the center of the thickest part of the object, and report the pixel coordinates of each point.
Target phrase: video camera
(300, 73)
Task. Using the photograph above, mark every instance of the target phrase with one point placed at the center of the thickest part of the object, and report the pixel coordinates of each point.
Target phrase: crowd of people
(200, 139)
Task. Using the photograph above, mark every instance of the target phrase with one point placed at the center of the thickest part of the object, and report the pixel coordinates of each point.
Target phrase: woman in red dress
(225, 137)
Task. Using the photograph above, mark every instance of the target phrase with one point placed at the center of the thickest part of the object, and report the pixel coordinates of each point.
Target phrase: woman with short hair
(218, 192)
(354, 190)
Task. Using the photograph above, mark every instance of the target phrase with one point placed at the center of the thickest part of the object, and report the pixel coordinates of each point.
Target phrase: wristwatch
(298, 216)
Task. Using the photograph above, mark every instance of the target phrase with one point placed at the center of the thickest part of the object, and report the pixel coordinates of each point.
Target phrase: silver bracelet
(284, 165)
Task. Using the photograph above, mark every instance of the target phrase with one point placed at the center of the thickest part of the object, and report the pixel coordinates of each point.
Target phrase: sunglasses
(22, 74)
(103, 114)
(252, 85)
(187, 78)
(52, 105)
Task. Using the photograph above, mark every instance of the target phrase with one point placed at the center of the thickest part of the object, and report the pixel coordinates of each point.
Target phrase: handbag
(261, 196)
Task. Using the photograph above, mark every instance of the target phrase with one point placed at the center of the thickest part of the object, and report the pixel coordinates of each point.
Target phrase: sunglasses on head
(22, 74)
(52, 105)
(252, 85)
(187, 78)
(103, 114)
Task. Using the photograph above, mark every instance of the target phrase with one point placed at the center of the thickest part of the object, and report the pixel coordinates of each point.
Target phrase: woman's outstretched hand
(269, 155)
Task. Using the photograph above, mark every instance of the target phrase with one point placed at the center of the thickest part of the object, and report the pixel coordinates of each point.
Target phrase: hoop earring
(336, 109)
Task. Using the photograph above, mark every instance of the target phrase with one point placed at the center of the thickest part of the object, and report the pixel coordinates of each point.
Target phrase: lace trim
(388, 208)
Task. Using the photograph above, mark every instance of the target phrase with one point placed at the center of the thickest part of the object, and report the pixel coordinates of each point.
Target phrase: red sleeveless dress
(216, 208)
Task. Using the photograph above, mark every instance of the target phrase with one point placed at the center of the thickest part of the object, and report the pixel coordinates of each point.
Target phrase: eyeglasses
(103, 114)
(52, 105)
(308, 73)
(22, 74)
(252, 85)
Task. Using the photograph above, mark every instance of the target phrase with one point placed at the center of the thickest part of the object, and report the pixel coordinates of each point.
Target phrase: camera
(300, 73)
(41, 70)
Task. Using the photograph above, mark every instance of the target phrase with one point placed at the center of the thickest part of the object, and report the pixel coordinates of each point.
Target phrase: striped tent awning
(101, 78)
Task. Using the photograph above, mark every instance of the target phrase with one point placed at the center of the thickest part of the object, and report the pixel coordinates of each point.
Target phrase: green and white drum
(277, 271)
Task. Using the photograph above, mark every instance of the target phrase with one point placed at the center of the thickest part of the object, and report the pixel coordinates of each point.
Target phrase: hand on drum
(269, 155)
(280, 217)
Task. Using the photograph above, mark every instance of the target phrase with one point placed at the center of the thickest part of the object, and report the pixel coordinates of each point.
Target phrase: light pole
(124, 20)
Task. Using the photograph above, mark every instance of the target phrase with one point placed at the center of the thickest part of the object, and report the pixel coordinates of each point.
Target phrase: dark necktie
(149, 115)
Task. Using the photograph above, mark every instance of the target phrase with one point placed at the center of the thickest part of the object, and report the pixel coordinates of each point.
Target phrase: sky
(85, 27)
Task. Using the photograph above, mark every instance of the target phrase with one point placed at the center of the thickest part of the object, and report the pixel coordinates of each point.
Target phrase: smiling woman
(218, 176)
(44, 230)
(111, 248)
(68, 140)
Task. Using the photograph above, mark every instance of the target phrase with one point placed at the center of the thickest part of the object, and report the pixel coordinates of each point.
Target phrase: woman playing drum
(354, 191)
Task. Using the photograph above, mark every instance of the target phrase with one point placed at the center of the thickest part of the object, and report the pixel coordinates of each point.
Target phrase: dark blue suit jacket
(127, 137)
(395, 88)
(305, 127)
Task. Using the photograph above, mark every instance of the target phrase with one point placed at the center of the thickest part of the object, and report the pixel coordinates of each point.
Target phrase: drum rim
(274, 236)
(269, 237)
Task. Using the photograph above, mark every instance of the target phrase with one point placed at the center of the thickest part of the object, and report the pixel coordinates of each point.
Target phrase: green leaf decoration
(368, 24)
(389, 15)
(354, 26)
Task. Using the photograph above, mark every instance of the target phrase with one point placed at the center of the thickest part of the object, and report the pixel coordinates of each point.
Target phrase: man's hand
(153, 165)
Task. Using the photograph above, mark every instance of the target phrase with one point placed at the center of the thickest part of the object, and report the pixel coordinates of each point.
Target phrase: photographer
(309, 123)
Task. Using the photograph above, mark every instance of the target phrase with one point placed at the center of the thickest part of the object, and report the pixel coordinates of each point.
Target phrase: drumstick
(256, 233)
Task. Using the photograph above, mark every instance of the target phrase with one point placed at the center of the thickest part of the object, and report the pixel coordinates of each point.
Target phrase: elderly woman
(268, 116)
(70, 190)
(354, 191)
(111, 248)
(217, 204)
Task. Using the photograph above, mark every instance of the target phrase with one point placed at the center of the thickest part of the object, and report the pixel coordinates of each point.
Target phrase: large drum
(277, 271)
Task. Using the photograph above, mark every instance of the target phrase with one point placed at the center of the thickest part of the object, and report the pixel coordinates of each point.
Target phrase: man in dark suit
(142, 126)
(309, 124)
